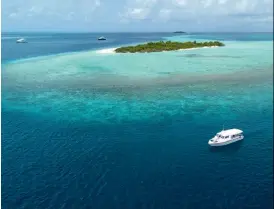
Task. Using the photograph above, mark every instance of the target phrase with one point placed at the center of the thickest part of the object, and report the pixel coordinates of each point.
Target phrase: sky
(138, 15)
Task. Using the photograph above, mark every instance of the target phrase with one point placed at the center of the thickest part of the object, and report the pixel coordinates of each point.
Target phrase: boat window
(226, 137)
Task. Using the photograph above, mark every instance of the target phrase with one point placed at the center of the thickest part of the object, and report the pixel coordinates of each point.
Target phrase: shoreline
(106, 51)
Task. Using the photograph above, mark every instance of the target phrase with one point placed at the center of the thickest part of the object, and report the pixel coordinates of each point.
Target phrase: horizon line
(30, 31)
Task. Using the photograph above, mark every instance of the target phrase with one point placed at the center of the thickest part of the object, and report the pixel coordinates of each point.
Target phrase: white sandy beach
(106, 51)
(199, 48)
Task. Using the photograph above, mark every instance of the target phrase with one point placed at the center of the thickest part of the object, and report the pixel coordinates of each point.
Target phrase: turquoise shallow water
(96, 83)
(131, 130)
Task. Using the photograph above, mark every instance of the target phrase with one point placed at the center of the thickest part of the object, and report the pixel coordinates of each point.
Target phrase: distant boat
(102, 38)
(226, 137)
(21, 40)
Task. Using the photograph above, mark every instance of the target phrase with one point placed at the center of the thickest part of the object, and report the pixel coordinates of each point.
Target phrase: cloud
(222, 1)
(97, 3)
(137, 10)
(207, 3)
(70, 16)
(164, 14)
(197, 10)
(137, 13)
(148, 14)
(34, 11)
(49, 8)
(180, 3)
(12, 15)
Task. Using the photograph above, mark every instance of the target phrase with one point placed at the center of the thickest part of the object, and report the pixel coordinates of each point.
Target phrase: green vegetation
(166, 46)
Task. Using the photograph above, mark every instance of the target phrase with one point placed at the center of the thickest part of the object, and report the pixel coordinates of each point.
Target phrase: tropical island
(166, 46)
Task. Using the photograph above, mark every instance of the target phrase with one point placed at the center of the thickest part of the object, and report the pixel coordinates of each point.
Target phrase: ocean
(83, 127)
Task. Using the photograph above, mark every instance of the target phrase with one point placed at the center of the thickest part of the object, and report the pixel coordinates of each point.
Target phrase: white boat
(21, 40)
(226, 137)
(101, 38)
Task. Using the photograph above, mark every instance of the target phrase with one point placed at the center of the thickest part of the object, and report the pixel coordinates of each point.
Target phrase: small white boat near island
(102, 38)
(21, 40)
(226, 137)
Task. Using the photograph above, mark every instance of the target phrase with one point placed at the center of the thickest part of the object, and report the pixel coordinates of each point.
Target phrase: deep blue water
(53, 43)
(132, 165)
(161, 162)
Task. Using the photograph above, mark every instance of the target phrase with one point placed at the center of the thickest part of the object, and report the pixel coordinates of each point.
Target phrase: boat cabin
(230, 133)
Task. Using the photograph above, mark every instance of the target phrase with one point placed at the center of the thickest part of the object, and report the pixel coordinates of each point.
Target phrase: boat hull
(219, 144)
(21, 42)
